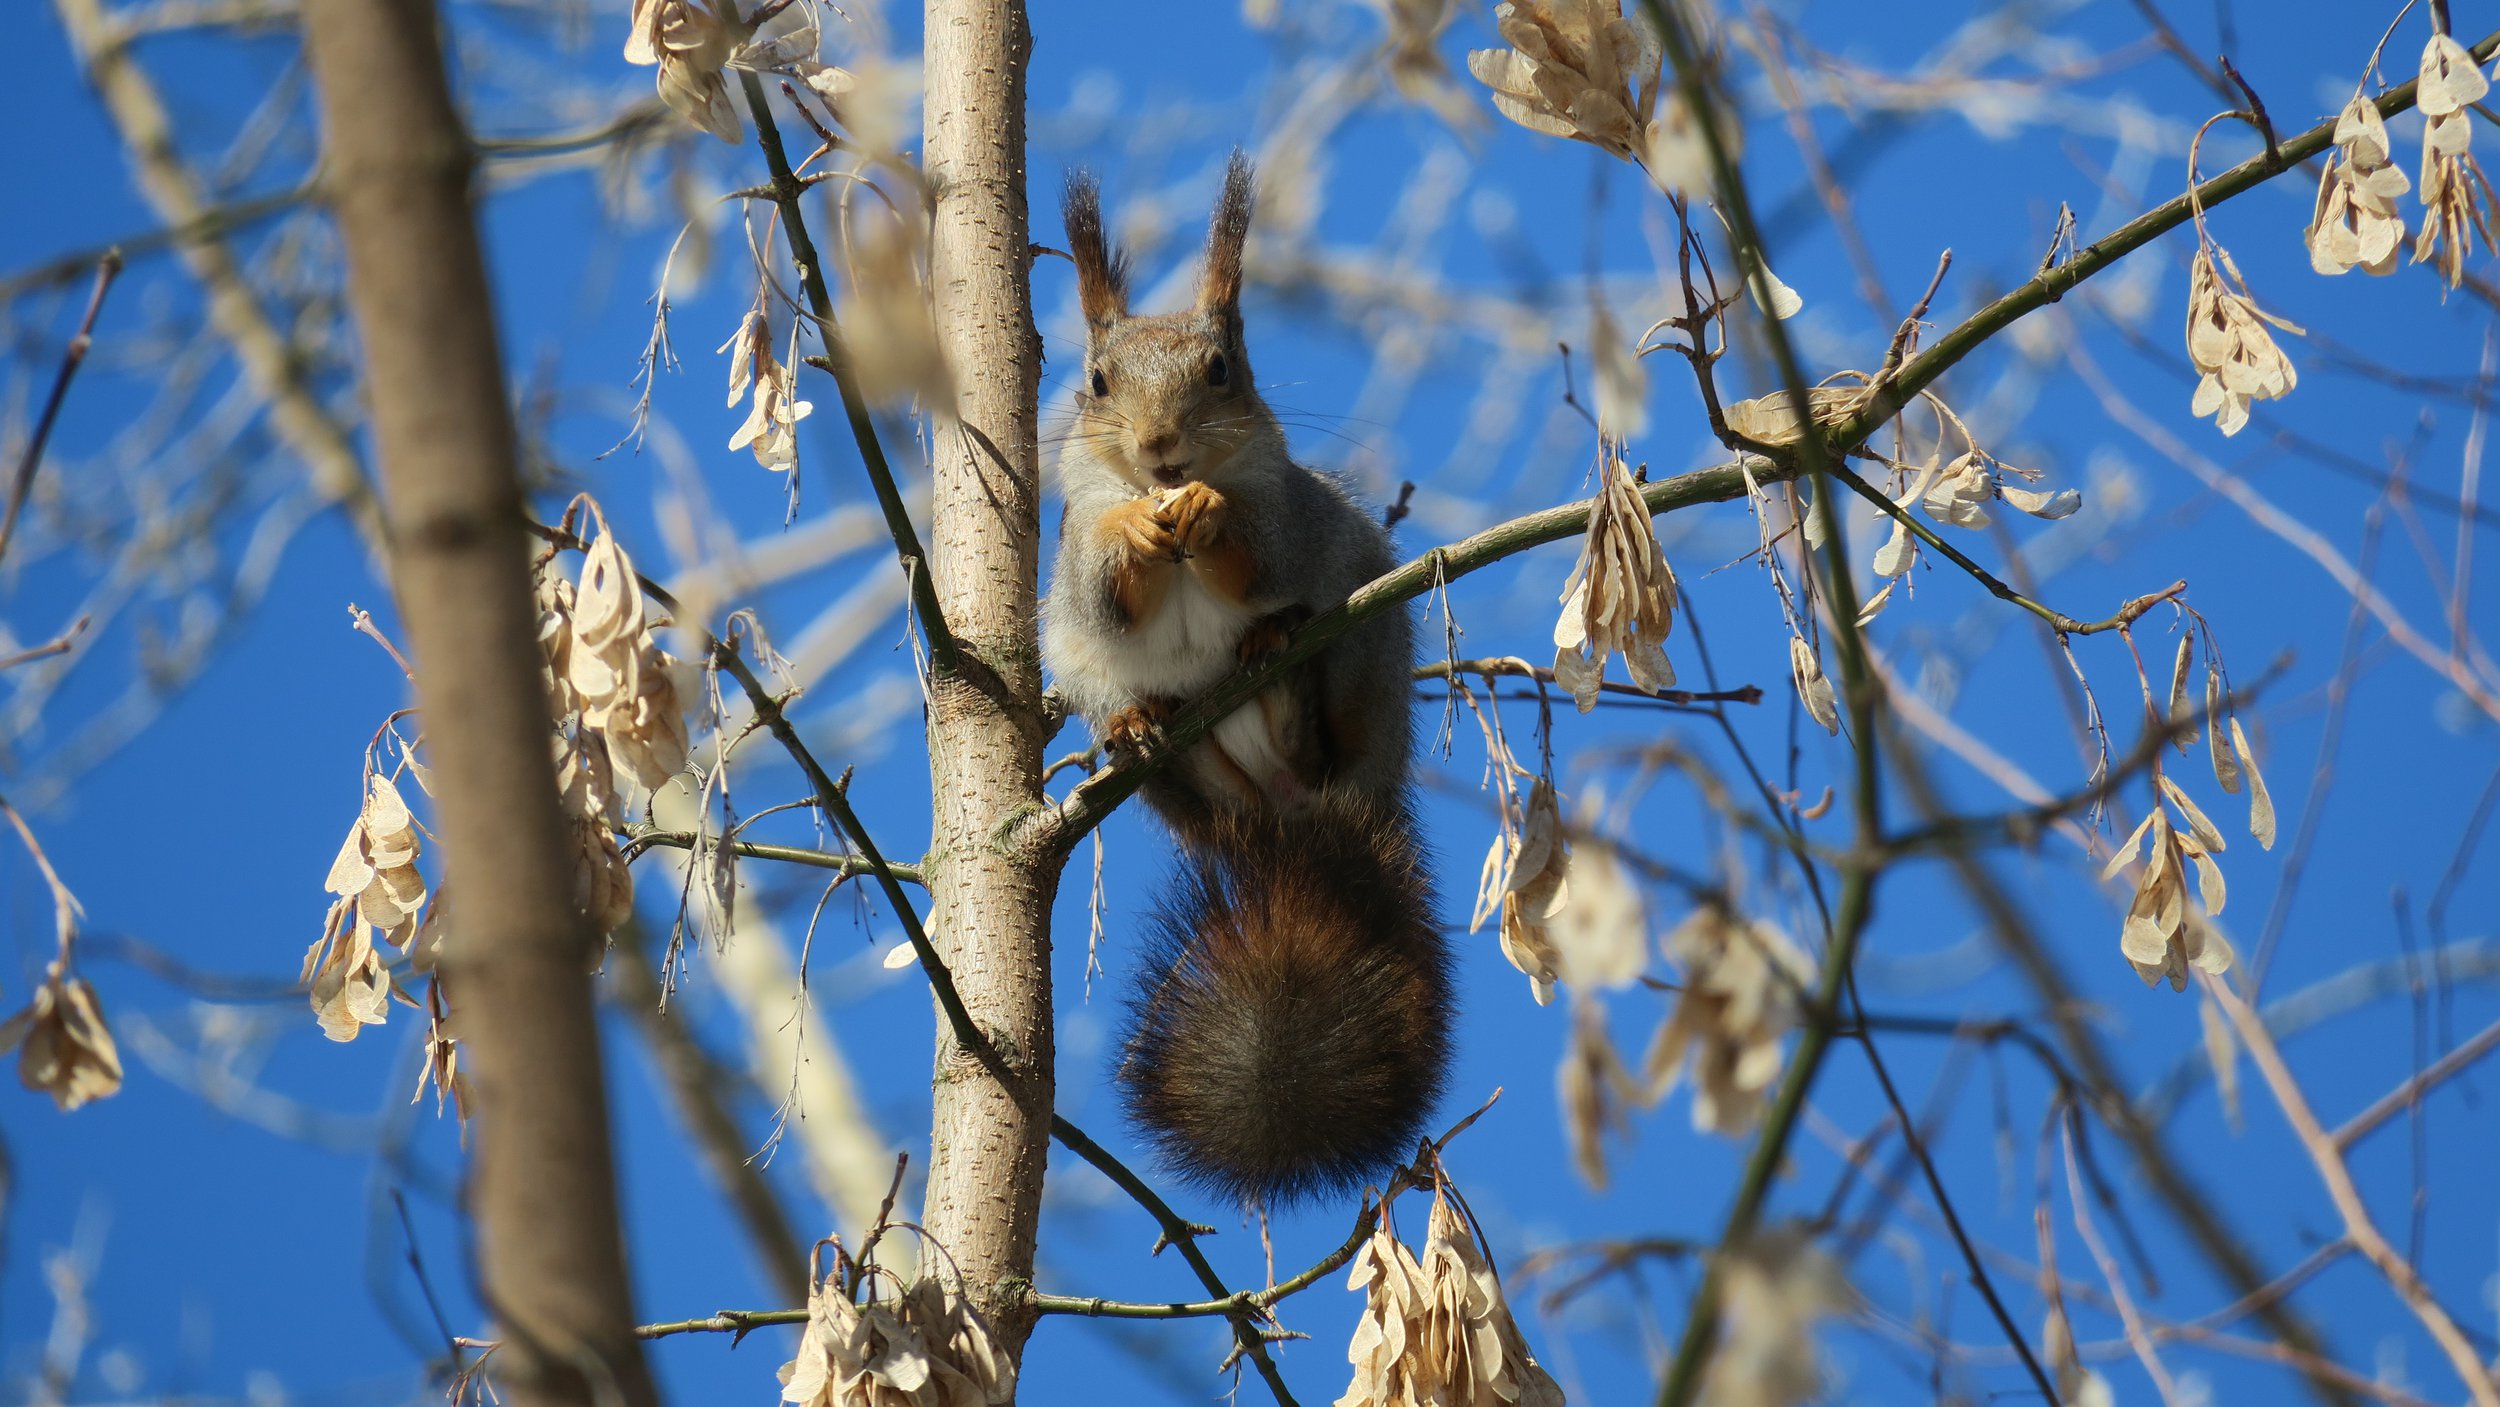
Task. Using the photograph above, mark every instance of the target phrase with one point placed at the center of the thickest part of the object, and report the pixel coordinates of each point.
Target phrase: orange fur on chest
(1227, 569)
(1146, 553)
(1140, 577)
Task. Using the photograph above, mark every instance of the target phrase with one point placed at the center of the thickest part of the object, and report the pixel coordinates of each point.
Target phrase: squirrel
(1290, 1031)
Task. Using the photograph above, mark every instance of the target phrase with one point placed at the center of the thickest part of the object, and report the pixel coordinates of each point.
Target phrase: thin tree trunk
(541, 1185)
(991, 1127)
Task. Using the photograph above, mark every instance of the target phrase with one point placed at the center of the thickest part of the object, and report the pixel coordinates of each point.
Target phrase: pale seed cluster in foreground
(1774, 1288)
(924, 1348)
(693, 43)
(1580, 69)
(617, 722)
(1436, 1331)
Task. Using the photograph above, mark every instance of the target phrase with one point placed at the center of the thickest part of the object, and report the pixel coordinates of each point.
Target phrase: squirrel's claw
(1135, 730)
(1194, 514)
(1145, 532)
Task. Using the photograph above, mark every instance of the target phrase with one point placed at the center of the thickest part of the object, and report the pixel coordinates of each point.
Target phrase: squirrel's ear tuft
(1101, 270)
(1219, 288)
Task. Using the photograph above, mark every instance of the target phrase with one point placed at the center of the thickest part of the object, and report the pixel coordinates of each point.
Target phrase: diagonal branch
(2480, 1385)
(2057, 281)
(969, 1035)
(71, 358)
(1057, 829)
(786, 190)
(174, 190)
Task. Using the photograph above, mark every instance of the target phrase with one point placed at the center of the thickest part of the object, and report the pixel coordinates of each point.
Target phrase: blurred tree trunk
(397, 170)
(991, 920)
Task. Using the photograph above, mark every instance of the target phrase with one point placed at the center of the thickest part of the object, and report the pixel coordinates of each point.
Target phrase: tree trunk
(397, 171)
(991, 918)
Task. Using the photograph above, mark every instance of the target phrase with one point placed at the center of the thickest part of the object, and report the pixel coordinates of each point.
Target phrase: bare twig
(23, 482)
(2328, 1157)
(914, 559)
(234, 309)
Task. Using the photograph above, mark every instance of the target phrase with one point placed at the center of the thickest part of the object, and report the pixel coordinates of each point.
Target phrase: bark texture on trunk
(397, 170)
(991, 920)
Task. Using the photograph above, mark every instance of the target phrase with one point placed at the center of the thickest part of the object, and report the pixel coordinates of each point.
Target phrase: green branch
(1058, 827)
(787, 854)
(2054, 283)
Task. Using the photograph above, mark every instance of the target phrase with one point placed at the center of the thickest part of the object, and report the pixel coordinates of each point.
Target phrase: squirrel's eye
(1217, 371)
(1102, 387)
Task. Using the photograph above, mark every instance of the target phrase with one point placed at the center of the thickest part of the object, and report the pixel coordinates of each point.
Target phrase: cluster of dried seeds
(924, 1348)
(1436, 1331)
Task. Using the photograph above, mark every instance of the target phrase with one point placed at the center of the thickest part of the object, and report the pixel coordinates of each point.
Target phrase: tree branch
(845, 865)
(786, 190)
(1056, 829)
(2359, 1229)
(2054, 283)
(72, 357)
(542, 1186)
(174, 191)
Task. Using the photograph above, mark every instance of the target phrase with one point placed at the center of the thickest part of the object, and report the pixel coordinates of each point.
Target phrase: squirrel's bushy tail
(1292, 1029)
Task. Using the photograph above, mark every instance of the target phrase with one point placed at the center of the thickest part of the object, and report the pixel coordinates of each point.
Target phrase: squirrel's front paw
(1195, 514)
(1142, 528)
(1265, 637)
(1135, 730)
(1269, 633)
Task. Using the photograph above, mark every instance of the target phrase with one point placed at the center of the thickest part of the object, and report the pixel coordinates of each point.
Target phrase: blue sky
(225, 1254)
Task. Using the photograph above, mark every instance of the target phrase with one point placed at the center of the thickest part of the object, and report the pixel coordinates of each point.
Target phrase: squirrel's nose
(1159, 444)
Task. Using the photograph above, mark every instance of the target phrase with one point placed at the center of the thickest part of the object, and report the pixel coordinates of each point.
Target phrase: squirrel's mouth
(1171, 475)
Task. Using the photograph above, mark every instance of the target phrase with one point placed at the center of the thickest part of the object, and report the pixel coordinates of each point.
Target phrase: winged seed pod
(1575, 69)
(1815, 691)
(1741, 984)
(2355, 224)
(884, 305)
(64, 1048)
(926, 1349)
(692, 42)
(1776, 1284)
(344, 975)
(1622, 383)
(1581, 70)
(616, 666)
(1595, 1089)
(2236, 359)
(1772, 419)
(1437, 1331)
(1525, 877)
(1413, 56)
(771, 427)
(377, 864)
(2164, 935)
(2457, 201)
(1620, 596)
(603, 884)
(2076, 1384)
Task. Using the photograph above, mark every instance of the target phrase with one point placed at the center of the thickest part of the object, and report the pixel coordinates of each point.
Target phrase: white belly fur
(1188, 645)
